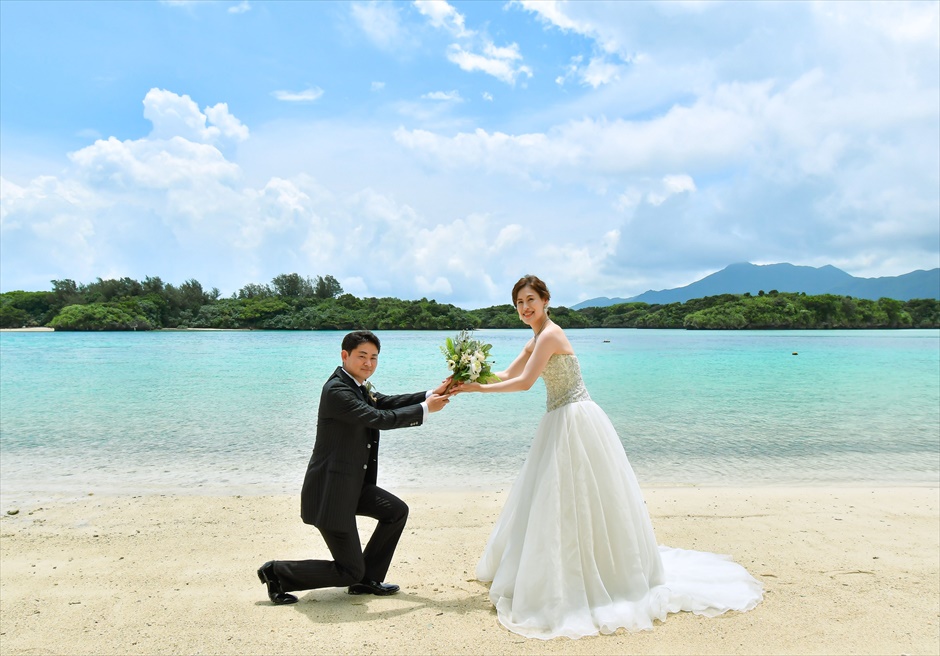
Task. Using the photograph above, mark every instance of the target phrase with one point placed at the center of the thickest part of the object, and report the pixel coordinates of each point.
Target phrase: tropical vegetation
(293, 302)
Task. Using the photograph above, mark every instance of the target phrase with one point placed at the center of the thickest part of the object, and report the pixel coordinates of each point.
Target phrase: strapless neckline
(563, 382)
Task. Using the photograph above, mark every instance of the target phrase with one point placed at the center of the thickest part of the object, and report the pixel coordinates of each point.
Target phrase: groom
(341, 479)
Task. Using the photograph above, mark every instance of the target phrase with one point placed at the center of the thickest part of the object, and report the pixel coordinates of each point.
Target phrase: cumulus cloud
(671, 154)
(152, 163)
(175, 206)
(173, 191)
(820, 159)
(173, 115)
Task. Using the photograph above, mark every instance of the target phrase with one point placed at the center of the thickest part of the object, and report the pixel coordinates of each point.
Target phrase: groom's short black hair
(357, 337)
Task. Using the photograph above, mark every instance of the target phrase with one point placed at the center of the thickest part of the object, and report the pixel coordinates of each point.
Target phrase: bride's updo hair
(535, 283)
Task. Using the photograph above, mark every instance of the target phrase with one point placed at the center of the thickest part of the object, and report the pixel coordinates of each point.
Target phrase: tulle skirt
(573, 552)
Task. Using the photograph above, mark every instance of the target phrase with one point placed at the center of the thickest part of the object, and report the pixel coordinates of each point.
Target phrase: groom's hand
(447, 386)
(437, 401)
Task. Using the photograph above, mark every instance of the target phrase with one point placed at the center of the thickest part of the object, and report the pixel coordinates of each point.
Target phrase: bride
(573, 552)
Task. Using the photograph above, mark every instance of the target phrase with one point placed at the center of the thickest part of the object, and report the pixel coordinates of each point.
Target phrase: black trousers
(351, 563)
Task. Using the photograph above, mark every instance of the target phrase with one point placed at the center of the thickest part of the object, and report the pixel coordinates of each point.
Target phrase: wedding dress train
(573, 552)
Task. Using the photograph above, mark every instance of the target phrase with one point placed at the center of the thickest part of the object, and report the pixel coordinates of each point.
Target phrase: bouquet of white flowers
(468, 359)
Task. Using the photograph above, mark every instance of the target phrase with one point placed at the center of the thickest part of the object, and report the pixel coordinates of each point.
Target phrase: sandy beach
(846, 571)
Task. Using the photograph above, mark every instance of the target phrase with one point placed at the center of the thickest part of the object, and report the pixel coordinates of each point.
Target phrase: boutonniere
(370, 390)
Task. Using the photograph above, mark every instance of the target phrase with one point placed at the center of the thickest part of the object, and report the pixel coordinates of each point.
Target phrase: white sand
(846, 571)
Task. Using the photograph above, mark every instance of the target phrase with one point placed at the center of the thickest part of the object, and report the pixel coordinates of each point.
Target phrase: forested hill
(745, 278)
(292, 302)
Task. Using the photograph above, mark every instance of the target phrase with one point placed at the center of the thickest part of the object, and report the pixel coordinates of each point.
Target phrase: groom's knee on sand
(398, 514)
(348, 559)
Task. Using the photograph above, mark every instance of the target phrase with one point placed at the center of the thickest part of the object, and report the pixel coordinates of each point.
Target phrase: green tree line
(294, 302)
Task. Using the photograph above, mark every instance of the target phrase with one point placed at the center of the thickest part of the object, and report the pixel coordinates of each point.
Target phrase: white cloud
(686, 137)
(571, 70)
(274, 210)
(240, 8)
(174, 115)
(508, 236)
(181, 208)
(501, 63)
(474, 51)
(583, 19)
(552, 12)
(445, 96)
(903, 22)
(152, 163)
(578, 263)
(441, 14)
(671, 185)
(628, 201)
(440, 286)
(381, 22)
(600, 71)
(307, 95)
(597, 148)
(228, 125)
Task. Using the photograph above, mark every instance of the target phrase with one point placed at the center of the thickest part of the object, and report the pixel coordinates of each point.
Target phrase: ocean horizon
(234, 412)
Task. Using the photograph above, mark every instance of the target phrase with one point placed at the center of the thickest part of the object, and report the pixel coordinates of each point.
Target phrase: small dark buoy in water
(607, 341)
(795, 353)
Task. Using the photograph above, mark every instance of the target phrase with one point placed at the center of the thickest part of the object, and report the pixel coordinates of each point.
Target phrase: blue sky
(442, 150)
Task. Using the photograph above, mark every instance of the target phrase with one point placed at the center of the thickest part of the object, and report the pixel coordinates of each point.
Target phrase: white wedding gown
(573, 552)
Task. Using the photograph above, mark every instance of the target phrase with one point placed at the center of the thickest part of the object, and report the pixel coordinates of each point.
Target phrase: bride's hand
(445, 384)
(471, 387)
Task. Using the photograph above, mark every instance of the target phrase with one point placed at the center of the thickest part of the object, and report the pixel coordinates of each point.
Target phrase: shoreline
(26, 500)
(38, 329)
(845, 570)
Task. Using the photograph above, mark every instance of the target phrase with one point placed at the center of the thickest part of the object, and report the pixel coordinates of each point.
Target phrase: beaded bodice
(563, 383)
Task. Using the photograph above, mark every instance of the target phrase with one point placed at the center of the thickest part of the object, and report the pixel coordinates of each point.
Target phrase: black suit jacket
(346, 451)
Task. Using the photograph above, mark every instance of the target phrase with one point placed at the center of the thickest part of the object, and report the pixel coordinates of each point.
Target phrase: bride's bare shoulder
(555, 335)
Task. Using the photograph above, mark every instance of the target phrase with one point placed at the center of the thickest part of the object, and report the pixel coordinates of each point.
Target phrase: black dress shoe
(277, 596)
(372, 587)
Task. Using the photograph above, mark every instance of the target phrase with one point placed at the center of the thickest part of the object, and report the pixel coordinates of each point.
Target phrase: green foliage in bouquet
(469, 359)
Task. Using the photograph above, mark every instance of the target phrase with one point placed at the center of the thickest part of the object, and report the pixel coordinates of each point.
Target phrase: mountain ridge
(744, 277)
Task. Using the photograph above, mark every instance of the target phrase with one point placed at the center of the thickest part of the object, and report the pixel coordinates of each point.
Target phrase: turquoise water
(235, 412)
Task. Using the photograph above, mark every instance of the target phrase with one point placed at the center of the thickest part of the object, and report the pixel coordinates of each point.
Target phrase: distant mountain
(745, 277)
